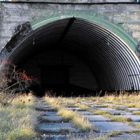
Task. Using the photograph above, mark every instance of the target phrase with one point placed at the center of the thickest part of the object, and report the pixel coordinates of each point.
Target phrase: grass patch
(17, 120)
(136, 113)
(123, 98)
(112, 117)
(21, 134)
(82, 106)
(114, 133)
(117, 118)
(78, 121)
(137, 126)
(66, 114)
(130, 105)
(100, 112)
(69, 115)
(81, 123)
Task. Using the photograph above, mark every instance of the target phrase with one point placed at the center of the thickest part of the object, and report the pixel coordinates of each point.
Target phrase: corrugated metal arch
(109, 51)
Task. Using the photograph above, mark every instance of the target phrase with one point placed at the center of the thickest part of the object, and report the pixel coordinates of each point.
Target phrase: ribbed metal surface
(114, 65)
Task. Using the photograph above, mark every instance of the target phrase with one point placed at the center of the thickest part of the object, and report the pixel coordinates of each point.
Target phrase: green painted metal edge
(126, 38)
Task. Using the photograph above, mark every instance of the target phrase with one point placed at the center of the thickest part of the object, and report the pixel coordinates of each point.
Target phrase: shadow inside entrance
(62, 90)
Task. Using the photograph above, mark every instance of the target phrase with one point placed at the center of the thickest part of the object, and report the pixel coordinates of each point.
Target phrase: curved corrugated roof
(112, 60)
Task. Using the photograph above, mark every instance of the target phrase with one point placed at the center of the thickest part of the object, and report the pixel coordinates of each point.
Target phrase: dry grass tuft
(66, 114)
(81, 123)
(136, 113)
(74, 117)
(112, 117)
(82, 106)
(117, 118)
(17, 120)
(100, 112)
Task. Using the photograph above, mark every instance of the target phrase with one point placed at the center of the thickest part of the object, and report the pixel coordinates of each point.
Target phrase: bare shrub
(12, 81)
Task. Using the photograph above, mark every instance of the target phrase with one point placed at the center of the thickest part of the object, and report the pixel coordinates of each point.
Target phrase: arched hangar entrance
(78, 53)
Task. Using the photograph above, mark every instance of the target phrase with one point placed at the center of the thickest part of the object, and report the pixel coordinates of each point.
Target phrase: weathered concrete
(126, 137)
(54, 127)
(96, 118)
(115, 111)
(134, 118)
(59, 128)
(50, 119)
(105, 127)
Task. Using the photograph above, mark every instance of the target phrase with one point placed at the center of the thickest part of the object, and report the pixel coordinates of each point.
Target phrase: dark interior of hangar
(76, 57)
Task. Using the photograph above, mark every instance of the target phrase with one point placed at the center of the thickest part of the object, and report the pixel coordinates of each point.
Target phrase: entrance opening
(77, 57)
(54, 77)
